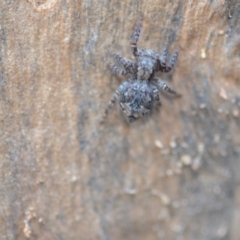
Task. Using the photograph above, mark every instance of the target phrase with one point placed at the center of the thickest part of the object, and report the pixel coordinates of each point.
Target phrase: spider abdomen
(136, 99)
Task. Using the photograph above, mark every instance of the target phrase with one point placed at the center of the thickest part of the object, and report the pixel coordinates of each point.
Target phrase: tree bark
(64, 175)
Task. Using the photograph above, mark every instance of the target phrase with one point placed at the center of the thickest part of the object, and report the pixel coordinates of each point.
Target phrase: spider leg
(116, 69)
(172, 61)
(111, 103)
(166, 88)
(156, 96)
(117, 96)
(162, 65)
(136, 35)
(163, 60)
(127, 64)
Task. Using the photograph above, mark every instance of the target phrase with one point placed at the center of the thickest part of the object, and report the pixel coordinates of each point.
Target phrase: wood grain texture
(63, 175)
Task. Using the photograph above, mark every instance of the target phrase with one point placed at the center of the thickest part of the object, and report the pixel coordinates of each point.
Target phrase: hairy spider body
(135, 98)
(138, 94)
(146, 62)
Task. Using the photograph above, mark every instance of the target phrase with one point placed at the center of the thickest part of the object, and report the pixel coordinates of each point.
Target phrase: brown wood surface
(63, 175)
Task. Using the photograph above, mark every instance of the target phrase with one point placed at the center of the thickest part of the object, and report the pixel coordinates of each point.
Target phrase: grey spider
(137, 95)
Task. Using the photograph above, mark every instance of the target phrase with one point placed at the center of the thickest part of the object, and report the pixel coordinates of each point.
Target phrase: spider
(137, 95)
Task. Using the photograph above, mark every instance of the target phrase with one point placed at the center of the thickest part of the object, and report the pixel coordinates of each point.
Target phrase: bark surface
(63, 175)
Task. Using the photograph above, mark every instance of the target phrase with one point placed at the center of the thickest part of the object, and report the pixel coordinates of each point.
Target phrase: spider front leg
(162, 61)
(156, 96)
(166, 88)
(136, 36)
(127, 64)
(116, 69)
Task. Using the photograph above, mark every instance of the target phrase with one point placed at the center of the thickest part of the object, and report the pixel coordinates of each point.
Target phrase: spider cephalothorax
(138, 94)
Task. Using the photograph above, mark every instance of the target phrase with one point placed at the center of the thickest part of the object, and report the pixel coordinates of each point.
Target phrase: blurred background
(173, 175)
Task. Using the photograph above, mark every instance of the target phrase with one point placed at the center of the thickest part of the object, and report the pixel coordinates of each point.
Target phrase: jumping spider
(137, 95)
